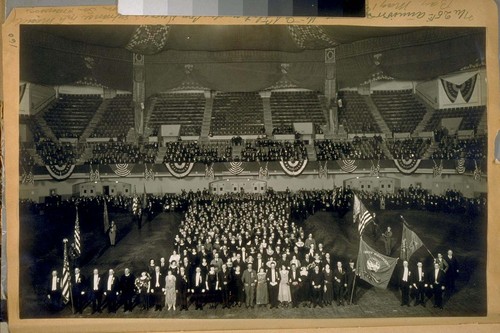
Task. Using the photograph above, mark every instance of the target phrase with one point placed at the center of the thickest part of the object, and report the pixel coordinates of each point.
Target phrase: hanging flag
(373, 267)
(78, 243)
(361, 215)
(106, 217)
(410, 243)
(66, 279)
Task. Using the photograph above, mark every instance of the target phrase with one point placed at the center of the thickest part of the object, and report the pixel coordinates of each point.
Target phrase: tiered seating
(357, 149)
(355, 114)
(69, 116)
(237, 113)
(180, 152)
(471, 117)
(268, 150)
(120, 115)
(53, 153)
(410, 148)
(296, 107)
(185, 109)
(400, 109)
(120, 152)
(453, 148)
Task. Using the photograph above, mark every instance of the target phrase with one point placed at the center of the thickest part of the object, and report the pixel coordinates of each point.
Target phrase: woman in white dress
(284, 293)
(170, 294)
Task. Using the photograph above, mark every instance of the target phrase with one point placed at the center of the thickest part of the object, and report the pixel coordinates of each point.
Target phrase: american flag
(361, 215)
(66, 279)
(78, 242)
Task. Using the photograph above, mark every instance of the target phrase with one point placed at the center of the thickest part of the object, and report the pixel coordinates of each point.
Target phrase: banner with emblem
(373, 267)
(410, 242)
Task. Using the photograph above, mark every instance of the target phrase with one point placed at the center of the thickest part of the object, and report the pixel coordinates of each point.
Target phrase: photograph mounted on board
(252, 171)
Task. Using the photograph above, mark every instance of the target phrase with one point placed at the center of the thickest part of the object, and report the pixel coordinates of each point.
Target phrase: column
(139, 92)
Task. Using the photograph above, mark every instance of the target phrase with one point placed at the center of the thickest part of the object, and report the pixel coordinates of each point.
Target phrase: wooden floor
(438, 231)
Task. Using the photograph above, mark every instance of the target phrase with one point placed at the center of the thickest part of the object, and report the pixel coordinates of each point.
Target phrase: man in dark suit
(272, 277)
(182, 289)
(54, 292)
(95, 291)
(453, 271)
(436, 282)
(351, 287)
(249, 279)
(157, 281)
(224, 277)
(127, 287)
(420, 284)
(339, 283)
(198, 288)
(405, 283)
(111, 291)
(78, 290)
(295, 281)
(316, 281)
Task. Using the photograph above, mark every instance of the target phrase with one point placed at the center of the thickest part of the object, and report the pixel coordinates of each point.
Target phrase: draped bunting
(460, 166)
(466, 89)
(60, 172)
(407, 166)
(235, 168)
(347, 165)
(293, 168)
(179, 170)
(122, 170)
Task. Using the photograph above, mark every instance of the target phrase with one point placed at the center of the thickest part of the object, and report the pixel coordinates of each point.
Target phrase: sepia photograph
(252, 171)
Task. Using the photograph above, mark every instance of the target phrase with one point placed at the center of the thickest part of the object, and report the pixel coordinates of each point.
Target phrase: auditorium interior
(194, 130)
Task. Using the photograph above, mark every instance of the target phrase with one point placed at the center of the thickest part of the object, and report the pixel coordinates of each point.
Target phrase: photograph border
(482, 15)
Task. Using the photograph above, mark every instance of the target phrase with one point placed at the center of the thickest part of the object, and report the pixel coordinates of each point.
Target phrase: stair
(268, 117)
(428, 115)
(386, 150)
(96, 119)
(376, 115)
(85, 156)
(160, 155)
(47, 131)
(482, 125)
(311, 152)
(326, 113)
(207, 118)
(432, 148)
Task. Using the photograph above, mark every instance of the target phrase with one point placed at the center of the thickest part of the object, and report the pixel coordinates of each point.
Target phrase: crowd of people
(55, 153)
(246, 250)
(451, 147)
(270, 150)
(114, 152)
(409, 148)
(359, 148)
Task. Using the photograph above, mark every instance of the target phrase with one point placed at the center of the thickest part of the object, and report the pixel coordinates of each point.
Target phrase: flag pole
(408, 226)
(65, 241)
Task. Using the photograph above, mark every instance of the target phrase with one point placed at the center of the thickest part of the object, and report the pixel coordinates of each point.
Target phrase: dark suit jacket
(276, 276)
(201, 284)
(338, 277)
(114, 284)
(58, 285)
(161, 282)
(100, 281)
(432, 278)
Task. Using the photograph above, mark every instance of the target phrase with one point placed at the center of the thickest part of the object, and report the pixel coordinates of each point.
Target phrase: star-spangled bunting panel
(466, 89)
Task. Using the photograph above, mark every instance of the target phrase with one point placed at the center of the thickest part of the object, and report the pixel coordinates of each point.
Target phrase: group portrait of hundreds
(182, 171)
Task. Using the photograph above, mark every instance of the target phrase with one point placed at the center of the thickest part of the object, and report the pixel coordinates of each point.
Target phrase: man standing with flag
(410, 243)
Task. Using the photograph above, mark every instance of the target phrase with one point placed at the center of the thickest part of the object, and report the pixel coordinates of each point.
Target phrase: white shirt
(405, 274)
(110, 282)
(96, 282)
(54, 283)
(420, 274)
(157, 279)
(77, 276)
(273, 275)
(436, 273)
(198, 279)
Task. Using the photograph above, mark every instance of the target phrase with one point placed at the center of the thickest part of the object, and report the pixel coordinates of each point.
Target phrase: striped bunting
(60, 172)
(460, 166)
(122, 170)
(78, 243)
(293, 168)
(179, 170)
(407, 166)
(235, 168)
(347, 165)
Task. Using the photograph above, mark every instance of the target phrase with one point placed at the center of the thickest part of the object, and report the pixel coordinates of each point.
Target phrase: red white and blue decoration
(94, 175)
(235, 168)
(375, 169)
(460, 166)
(347, 165)
(466, 89)
(293, 168)
(407, 166)
(179, 170)
(209, 171)
(60, 172)
(149, 174)
(437, 170)
(322, 170)
(122, 170)
(264, 171)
